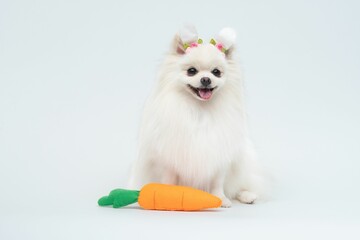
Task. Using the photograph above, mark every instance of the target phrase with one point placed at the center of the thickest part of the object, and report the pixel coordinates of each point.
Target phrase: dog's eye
(192, 71)
(216, 72)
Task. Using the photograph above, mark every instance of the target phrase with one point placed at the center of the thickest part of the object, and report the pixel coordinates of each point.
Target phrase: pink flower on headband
(220, 46)
(188, 46)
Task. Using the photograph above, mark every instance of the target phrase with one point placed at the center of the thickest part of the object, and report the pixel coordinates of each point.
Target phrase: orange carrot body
(170, 197)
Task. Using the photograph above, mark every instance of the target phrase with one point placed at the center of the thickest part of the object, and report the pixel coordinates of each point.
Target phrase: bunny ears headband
(223, 41)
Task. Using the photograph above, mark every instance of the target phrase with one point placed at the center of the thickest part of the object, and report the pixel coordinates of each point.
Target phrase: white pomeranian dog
(194, 130)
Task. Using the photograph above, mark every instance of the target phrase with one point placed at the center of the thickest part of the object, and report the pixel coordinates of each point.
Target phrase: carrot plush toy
(162, 197)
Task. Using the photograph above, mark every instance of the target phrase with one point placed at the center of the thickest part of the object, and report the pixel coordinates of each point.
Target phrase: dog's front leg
(217, 189)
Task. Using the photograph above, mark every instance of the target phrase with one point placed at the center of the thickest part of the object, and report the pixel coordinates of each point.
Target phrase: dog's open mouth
(203, 93)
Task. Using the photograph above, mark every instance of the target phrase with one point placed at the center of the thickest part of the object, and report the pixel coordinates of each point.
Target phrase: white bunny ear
(188, 34)
(227, 37)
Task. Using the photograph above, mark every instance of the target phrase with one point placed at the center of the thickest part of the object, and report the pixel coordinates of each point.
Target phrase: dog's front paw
(247, 197)
(225, 202)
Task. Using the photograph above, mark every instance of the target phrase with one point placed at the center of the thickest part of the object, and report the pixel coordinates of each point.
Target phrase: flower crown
(224, 40)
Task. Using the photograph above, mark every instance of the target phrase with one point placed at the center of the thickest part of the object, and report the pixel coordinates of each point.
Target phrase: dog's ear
(227, 37)
(177, 46)
(186, 35)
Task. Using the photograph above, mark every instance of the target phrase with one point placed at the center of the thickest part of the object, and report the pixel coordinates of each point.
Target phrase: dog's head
(202, 67)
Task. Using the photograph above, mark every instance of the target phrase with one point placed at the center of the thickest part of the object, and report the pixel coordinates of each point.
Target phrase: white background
(73, 79)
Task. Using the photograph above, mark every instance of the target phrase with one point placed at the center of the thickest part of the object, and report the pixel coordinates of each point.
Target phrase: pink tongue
(205, 93)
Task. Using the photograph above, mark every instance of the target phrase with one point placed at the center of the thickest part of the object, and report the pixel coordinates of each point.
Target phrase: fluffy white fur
(187, 140)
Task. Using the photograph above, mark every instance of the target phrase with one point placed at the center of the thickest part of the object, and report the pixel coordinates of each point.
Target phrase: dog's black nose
(205, 81)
